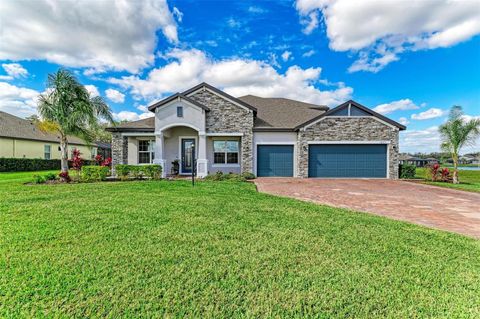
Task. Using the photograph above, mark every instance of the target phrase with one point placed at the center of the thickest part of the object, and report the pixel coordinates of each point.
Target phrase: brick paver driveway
(431, 206)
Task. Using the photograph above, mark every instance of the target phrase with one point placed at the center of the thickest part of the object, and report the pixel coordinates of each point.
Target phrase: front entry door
(187, 154)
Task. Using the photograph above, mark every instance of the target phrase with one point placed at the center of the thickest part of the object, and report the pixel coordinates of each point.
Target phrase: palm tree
(67, 108)
(456, 133)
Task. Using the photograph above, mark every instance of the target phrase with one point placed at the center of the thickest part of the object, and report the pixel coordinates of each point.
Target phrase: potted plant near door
(175, 167)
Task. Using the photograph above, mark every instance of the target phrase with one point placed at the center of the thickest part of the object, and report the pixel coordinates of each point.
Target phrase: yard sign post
(193, 164)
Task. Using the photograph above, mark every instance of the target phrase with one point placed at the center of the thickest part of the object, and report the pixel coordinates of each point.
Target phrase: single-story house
(417, 161)
(20, 138)
(206, 129)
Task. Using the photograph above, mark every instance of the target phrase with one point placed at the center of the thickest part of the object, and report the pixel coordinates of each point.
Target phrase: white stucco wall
(166, 116)
(275, 138)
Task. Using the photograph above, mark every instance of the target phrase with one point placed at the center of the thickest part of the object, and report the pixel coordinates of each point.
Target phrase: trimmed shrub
(28, 164)
(39, 179)
(94, 173)
(220, 176)
(248, 175)
(50, 176)
(152, 171)
(122, 171)
(406, 171)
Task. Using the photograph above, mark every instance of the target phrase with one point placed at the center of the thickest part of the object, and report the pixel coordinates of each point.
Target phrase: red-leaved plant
(64, 177)
(107, 162)
(77, 161)
(99, 160)
(434, 169)
(445, 174)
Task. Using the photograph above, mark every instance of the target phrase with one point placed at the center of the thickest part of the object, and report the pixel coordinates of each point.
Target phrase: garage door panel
(347, 160)
(275, 160)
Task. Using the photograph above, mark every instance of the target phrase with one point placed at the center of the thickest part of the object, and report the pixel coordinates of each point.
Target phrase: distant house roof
(145, 125)
(281, 113)
(15, 127)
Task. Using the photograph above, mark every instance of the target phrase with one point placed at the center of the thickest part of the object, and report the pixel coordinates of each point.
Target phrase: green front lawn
(144, 249)
(469, 180)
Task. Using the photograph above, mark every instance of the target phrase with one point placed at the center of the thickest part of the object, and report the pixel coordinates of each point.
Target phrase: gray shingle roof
(281, 112)
(145, 125)
(15, 127)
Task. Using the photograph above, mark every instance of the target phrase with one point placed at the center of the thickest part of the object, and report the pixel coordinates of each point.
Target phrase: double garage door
(325, 160)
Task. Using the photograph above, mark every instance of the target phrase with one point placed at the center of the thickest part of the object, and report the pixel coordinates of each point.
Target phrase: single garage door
(347, 160)
(275, 160)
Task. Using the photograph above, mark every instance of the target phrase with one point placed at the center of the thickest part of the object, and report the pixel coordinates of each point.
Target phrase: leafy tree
(456, 133)
(67, 108)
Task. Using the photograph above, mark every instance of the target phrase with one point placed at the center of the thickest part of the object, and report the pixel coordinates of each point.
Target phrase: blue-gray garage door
(347, 160)
(275, 160)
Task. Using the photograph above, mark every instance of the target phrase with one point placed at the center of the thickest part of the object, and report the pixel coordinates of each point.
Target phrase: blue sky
(412, 67)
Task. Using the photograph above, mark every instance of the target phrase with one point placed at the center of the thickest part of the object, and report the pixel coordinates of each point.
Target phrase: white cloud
(92, 89)
(257, 10)
(131, 116)
(310, 22)
(428, 114)
(379, 31)
(115, 96)
(18, 101)
(400, 105)
(236, 76)
(177, 14)
(13, 70)
(403, 121)
(101, 35)
(232, 23)
(308, 53)
(286, 55)
(425, 141)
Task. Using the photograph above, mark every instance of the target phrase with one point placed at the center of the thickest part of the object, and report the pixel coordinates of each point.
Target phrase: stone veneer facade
(119, 149)
(227, 117)
(348, 129)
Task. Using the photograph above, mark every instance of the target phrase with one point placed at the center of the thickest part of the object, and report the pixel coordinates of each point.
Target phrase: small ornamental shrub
(407, 171)
(64, 177)
(136, 171)
(248, 175)
(220, 176)
(107, 162)
(99, 159)
(446, 175)
(50, 177)
(122, 171)
(152, 171)
(76, 160)
(39, 179)
(94, 173)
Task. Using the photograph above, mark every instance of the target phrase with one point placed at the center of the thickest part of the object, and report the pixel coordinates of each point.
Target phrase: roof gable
(176, 96)
(220, 93)
(360, 110)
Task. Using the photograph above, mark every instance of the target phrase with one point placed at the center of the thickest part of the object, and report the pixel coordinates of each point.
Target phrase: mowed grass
(219, 250)
(469, 180)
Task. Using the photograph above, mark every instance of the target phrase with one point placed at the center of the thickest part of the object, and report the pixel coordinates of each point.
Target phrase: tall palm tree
(67, 108)
(456, 133)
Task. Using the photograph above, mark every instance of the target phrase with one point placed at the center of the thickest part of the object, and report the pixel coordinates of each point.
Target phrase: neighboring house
(265, 136)
(468, 159)
(417, 161)
(20, 138)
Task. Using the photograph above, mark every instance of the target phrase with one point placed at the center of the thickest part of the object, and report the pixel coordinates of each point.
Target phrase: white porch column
(202, 162)
(159, 157)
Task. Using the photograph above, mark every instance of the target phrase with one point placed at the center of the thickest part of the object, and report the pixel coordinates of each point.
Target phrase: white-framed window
(94, 152)
(146, 151)
(179, 111)
(47, 151)
(225, 152)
